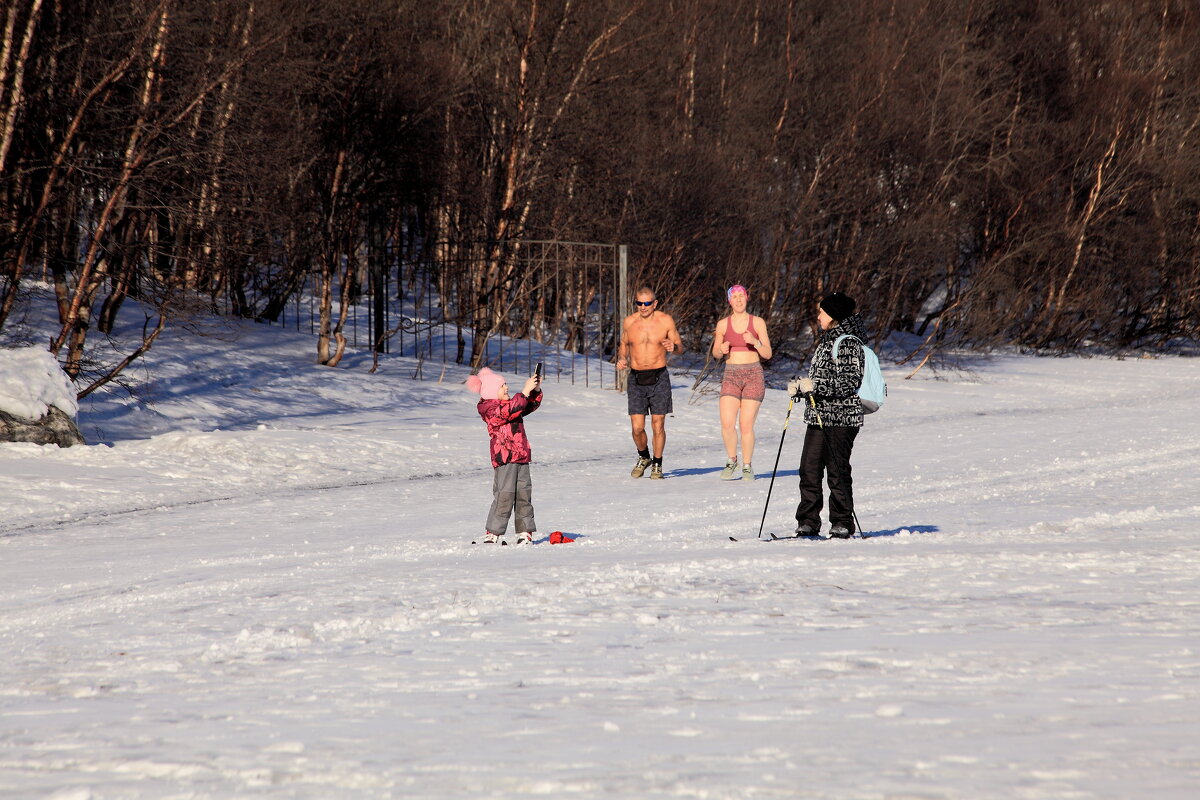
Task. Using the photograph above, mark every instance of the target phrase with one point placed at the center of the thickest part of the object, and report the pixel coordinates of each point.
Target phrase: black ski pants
(827, 454)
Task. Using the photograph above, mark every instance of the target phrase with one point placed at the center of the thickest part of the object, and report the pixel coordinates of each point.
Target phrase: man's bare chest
(647, 332)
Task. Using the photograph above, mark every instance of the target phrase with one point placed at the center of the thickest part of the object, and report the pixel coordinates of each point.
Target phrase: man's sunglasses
(644, 302)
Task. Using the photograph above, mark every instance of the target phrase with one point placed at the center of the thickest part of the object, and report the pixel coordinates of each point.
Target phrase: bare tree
(978, 172)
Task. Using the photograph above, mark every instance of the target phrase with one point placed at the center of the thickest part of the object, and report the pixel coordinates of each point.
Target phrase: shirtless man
(647, 337)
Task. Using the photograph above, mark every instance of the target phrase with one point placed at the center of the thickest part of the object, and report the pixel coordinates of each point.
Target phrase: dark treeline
(980, 172)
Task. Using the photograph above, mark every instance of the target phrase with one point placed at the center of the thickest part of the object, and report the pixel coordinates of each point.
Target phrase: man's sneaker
(491, 538)
(805, 530)
(656, 471)
(525, 537)
(747, 473)
(640, 467)
(840, 532)
(728, 473)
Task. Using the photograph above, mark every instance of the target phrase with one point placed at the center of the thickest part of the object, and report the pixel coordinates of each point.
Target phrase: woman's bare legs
(729, 413)
(749, 413)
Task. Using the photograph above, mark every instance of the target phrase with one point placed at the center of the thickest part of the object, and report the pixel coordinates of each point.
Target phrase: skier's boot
(525, 537)
(804, 530)
(840, 532)
(491, 538)
(640, 467)
(729, 473)
(747, 472)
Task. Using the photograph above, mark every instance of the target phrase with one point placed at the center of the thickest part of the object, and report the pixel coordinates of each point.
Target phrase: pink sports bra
(737, 341)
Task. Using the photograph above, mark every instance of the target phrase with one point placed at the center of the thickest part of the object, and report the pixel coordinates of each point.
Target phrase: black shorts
(653, 398)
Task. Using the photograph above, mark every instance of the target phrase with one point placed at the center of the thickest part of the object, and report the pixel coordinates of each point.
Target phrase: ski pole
(776, 467)
(813, 403)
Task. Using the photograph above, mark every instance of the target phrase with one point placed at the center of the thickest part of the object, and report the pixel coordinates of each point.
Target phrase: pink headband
(737, 287)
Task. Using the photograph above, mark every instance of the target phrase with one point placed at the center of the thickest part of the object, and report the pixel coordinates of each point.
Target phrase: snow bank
(31, 381)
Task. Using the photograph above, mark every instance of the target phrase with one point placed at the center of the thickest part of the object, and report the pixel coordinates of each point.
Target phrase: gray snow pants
(512, 493)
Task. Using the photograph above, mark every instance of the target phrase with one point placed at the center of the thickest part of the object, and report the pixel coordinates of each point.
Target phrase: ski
(773, 538)
(793, 537)
(556, 537)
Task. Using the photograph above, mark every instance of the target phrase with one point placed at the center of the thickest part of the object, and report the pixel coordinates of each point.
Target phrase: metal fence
(562, 305)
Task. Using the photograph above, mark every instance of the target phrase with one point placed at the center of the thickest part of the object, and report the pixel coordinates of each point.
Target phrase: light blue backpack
(873, 391)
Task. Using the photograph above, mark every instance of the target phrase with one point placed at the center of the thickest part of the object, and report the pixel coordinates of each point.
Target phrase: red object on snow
(557, 537)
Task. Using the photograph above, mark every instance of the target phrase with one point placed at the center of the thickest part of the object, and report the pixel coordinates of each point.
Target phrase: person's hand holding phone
(535, 380)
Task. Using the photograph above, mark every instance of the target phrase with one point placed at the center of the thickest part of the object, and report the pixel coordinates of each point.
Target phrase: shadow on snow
(901, 530)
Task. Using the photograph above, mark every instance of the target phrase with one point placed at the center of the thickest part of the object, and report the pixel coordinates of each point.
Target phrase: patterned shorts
(744, 381)
(654, 398)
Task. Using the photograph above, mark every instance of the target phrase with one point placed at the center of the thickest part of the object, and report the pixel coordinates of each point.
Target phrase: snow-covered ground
(259, 582)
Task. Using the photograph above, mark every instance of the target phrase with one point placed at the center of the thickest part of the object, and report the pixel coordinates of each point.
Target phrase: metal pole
(622, 310)
(428, 317)
(583, 296)
(558, 318)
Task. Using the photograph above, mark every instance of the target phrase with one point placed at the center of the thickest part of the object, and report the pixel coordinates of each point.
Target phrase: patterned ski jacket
(835, 385)
(506, 427)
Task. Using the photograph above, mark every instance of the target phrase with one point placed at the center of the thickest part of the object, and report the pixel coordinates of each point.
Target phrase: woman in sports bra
(742, 340)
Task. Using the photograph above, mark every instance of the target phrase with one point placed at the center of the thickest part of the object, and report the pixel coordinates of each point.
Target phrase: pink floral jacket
(506, 427)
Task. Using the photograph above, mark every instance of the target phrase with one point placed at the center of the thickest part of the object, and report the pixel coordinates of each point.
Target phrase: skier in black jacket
(834, 414)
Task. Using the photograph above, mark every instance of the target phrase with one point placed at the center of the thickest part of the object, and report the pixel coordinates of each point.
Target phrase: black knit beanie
(838, 306)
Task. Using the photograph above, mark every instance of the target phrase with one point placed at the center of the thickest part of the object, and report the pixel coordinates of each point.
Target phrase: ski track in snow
(183, 616)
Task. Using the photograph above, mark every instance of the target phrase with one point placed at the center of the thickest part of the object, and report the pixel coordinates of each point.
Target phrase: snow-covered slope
(260, 583)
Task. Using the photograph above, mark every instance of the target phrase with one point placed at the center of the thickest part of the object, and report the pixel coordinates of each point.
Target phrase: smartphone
(537, 372)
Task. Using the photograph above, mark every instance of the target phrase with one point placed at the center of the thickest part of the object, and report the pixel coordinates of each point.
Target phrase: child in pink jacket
(512, 487)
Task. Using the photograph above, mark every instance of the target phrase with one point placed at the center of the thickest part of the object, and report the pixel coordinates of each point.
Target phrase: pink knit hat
(487, 383)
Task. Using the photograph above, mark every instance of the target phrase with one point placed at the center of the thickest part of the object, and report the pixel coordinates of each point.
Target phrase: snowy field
(258, 581)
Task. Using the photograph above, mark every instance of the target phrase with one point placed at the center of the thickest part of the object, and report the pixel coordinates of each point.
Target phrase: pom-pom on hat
(838, 306)
(486, 383)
